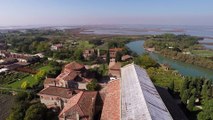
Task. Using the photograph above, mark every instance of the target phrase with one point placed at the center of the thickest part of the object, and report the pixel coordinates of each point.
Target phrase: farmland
(6, 103)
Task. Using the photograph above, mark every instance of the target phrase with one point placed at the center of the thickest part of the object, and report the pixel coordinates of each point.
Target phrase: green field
(85, 45)
(203, 53)
(30, 79)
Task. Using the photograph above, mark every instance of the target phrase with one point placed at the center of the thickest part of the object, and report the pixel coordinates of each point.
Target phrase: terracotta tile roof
(115, 49)
(116, 66)
(58, 45)
(115, 73)
(49, 81)
(67, 76)
(57, 92)
(111, 108)
(81, 104)
(73, 66)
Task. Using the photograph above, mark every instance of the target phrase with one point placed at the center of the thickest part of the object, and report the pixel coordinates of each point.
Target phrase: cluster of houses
(88, 53)
(67, 92)
(131, 96)
(11, 60)
(56, 47)
(20, 57)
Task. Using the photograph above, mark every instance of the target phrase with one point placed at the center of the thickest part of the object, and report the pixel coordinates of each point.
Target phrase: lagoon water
(201, 31)
(183, 68)
(204, 31)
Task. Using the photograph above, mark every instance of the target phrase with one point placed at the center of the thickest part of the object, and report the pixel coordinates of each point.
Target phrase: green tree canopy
(93, 85)
(190, 105)
(36, 112)
(25, 85)
(78, 54)
(146, 61)
(206, 114)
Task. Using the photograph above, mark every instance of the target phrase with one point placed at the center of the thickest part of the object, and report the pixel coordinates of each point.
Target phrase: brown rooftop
(111, 108)
(81, 104)
(49, 81)
(116, 66)
(115, 49)
(58, 92)
(74, 66)
(67, 76)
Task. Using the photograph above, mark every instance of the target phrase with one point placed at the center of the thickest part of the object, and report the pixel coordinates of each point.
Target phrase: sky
(93, 12)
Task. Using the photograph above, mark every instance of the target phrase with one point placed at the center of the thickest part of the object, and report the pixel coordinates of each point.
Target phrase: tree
(40, 75)
(21, 96)
(17, 113)
(118, 56)
(172, 86)
(190, 105)
(78, 54)
(25, 85)
(21, 105)
(93, 85)
(146, 61)
(185, 96)
(206, 113)
(108, 57)
(36, 112)
(54, 72)
(204, 91)
(184, 86)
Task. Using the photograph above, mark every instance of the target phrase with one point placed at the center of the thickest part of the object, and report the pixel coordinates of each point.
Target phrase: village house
(4, 53)
(74, 75)
(8, 61)
(80, 107)
(56, 97)
(20, 57)
(56, 47)
(50, 82)
(114, 70)
(88, 54)
(113, 52)
(126, 58)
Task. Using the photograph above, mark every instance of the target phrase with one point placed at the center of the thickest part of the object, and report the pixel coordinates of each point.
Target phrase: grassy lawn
(103, 47)
(203, 53)
(31, 79)
(85, 45)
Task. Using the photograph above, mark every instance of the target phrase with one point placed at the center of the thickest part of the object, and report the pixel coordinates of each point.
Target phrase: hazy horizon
(105, 12)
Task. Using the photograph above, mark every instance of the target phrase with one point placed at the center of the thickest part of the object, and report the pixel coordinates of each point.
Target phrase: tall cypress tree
(108, 57)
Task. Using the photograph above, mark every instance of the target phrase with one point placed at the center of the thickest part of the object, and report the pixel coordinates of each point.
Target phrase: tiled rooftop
(57, 91)
(111, 108)
(74, 66)
(81, 104)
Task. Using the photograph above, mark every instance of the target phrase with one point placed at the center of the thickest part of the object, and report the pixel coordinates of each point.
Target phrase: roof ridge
(73, 105)
(141, 89)
(81, 97)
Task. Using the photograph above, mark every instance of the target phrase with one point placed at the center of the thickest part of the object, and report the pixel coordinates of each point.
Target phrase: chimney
(77, 116)
(93, 109)
(98, 52)
(64, 116)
